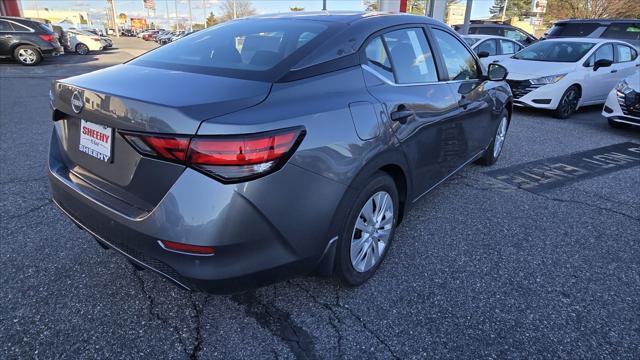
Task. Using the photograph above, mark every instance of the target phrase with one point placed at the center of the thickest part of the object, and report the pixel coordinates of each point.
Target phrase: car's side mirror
(483, 54)
(602, 63)
(497, 72)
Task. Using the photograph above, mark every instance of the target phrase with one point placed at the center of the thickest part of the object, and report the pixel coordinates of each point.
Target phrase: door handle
(614, 71)
(402, 114)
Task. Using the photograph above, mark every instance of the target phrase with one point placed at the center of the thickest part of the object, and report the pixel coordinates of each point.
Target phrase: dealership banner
(138, 23)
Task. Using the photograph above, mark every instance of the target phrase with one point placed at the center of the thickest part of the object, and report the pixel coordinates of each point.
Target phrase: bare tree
(234, 9)
(593, 9)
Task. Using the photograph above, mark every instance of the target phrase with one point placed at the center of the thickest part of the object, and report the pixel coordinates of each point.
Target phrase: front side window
(625, 53)
(378, 58)
(622, 31)
(488, 46)
(461, 65)
(555, 51)
(508, 47)
(605, 52)
(411, 56)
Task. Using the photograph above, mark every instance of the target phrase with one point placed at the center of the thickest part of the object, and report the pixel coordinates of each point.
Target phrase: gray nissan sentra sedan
(272, 146)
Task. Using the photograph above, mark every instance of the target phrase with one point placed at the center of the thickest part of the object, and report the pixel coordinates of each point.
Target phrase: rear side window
(573, 29)
(378, 58)
(515, 35)
(488, 46)
(5, 26)
(508, 47)
(622, 31)
(461, 65)
(411, 56)
(20, 28)
(625, 53)
(242, 47)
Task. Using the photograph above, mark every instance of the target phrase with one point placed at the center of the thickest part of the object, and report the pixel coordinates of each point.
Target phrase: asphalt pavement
(486, 266)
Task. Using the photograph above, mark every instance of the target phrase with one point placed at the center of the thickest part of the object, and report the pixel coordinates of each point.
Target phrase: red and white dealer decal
(95, 140)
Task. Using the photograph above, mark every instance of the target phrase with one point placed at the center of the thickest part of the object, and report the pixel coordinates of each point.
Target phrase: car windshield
(470, 40)
(241, 47)
(555, 51)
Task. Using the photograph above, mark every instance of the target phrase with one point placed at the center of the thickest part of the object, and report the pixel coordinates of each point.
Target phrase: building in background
(454, 13)
(59, 16)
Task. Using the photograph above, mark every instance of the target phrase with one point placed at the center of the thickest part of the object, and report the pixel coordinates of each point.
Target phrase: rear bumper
(263, 231)
(52, 51)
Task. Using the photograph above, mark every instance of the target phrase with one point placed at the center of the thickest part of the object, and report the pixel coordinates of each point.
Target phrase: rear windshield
(555, 51)
(243, 48)
(573, 29)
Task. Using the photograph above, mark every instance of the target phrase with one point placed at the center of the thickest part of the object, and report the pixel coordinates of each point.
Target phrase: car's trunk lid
(128, 98)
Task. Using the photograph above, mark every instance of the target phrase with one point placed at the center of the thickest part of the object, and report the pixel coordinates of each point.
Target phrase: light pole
(467, 17)
(204, 10)
(324, 5)
(504, 10)
(175, 8)
(166, 10)
(190, 16)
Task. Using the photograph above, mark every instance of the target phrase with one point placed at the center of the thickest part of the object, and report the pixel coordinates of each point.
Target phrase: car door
(400, 71)
(470, 89)
(598, 82)
(6, 38)
(491, 47)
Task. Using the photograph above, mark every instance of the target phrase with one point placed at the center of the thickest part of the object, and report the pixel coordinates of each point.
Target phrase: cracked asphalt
(479, 269)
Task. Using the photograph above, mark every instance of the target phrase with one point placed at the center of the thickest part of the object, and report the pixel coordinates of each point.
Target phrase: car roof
(597, 21)
(482, 37)
(345, 17)
(585, 40)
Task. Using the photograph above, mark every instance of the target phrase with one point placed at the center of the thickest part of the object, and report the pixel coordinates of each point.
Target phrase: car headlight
(547, 79)
(623, 87)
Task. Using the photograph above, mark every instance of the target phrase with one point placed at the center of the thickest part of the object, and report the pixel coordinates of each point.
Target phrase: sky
(134, 8)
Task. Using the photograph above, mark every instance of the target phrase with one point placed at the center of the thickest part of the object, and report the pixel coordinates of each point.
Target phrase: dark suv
(619, 29)
(27, 41)
(498, 29)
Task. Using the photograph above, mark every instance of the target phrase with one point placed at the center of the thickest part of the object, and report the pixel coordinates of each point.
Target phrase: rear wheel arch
(391, 163)
(23, 43)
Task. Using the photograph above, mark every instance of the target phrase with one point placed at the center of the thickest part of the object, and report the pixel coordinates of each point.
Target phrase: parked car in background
(627, 30)
(287, 167)
(127, 33)
(165, 38)
(564, 74)
(622, 108)
(106, 41)
(27, 41)
(83, 42)
(181, 35)
(496, 28)
(150, 35)
(492, 48)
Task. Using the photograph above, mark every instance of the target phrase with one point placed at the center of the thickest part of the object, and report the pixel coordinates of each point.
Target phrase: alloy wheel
(501, 134)
(27, 56)
(372, 231)
(569, 102)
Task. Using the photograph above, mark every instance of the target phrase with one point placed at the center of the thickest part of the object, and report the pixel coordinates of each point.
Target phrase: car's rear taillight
(228, 158)
(47, 37)
(232, 158)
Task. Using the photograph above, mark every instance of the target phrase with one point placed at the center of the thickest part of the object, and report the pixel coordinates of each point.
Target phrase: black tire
(27, 55)
(344, 270)
(82, 49)
(490, 156)
(568, 103)
(618, 125)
